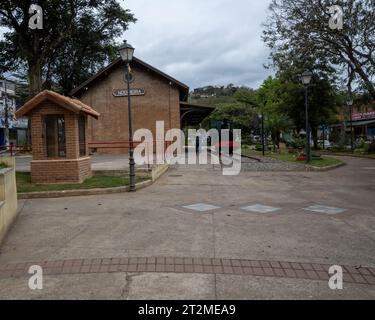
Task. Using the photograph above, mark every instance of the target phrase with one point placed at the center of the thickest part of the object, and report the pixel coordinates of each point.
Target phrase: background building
(17, 128)
(364, 120)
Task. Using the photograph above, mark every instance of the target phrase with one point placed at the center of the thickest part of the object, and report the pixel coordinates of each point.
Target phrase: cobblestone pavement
(121, 162)
(268, 164)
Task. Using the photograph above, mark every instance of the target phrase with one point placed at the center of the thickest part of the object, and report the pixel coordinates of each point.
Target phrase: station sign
(124, 92)
(364, 116)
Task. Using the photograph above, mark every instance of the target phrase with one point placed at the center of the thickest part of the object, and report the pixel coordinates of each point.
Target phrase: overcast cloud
(202, 42)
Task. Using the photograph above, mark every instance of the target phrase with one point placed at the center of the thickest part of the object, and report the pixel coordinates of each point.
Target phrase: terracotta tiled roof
(183, 87)
(73, 105)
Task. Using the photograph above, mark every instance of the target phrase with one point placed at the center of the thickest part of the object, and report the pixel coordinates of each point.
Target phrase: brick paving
(277, 269)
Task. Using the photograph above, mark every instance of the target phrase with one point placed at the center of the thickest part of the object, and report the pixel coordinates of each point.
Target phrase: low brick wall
(60, 171)
(8, 200)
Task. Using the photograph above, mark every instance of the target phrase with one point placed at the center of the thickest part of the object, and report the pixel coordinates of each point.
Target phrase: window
(82, 136)
(54, 135)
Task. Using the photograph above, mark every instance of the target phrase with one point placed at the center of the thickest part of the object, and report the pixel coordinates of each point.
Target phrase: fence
(10, 150)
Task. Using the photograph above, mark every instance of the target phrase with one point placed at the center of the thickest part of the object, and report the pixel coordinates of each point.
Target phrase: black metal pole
(324, 137)
(6, 115)
(131, 147)
(351, 129)
(308, 156)
(263, 143)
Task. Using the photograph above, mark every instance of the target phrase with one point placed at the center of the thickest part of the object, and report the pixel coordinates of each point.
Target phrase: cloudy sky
(202, 42)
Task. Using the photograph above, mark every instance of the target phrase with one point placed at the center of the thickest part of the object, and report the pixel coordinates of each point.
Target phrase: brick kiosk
(58, 138)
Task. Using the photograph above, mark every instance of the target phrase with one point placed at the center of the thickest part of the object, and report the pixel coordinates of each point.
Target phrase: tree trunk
(368, 84)
(362, 74)
(274, 140)
(314, 132)
(35, 78)
(278, 133)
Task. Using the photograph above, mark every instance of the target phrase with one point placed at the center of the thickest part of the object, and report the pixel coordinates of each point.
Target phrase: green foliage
(235, 104)
(283, 102)
(259, 147)
(270, 101)
(77, 39)
(24, 183)
(319, 162)
(240, 115)
(217, 91)
(299, 36)
(371, 147)
(3, 165)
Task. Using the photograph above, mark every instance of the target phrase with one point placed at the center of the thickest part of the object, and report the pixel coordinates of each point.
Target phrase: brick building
(156, 96)
(363, 120)
(59, 138)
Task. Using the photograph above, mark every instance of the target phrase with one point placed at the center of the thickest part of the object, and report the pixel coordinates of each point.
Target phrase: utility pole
(350, 106)
(308, 149)
(263, 137)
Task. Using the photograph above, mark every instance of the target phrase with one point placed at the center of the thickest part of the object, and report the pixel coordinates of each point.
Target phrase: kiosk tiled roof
(73, 105)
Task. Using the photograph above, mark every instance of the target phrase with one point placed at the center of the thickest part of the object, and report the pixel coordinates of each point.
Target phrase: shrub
(371, 147)
(3, 165)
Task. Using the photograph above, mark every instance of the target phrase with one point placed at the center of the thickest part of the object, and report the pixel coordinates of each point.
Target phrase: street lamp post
(350, 105)
(6, 115)
(261, 116)
(126, 52)
(306, 79)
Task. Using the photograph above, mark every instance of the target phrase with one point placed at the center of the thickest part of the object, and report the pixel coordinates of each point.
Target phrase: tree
(76, 39)
(239, 114)
(271, 98)
(282, 101)
(299, 30)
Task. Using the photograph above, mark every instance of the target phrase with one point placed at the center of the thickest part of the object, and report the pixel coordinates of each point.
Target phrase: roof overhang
(72, 105)
(362, 123)
(194, 114)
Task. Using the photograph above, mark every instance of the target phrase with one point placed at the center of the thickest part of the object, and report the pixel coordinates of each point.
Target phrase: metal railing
(105, 145)
(9, 149)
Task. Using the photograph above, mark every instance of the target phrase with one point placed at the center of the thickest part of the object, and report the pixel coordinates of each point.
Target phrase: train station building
(156, 96)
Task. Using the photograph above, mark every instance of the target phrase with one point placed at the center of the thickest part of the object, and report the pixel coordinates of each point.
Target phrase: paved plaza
(196, 234)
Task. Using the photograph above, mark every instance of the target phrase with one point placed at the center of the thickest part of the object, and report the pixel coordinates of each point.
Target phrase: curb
(349, 155)
(252, 158)
(83, 192)
(323, 169)
(303, 166)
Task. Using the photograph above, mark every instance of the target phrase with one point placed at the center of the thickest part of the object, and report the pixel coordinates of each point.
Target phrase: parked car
(257, 139)
(327, 144)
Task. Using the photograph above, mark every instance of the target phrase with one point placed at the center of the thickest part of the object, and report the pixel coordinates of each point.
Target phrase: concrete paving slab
(201, 207)
(67, 287)
(256, 288)
(152, 223)
(260, 208)
(113, 286)
(325, 209)
(172, 286)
